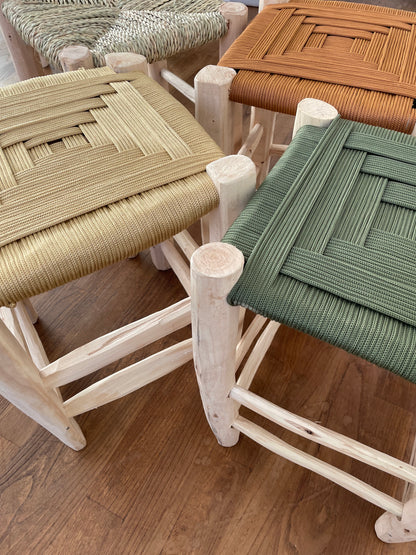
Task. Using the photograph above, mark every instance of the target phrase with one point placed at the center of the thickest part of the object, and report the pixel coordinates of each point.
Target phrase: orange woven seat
(358, 57)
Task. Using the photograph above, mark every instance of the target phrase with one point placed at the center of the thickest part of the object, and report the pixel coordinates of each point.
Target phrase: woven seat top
(330, 242)
(358, 57)
(94, 167)
(156, 29)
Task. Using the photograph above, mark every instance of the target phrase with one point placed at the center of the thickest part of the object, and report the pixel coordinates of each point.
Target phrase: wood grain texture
(153, 479)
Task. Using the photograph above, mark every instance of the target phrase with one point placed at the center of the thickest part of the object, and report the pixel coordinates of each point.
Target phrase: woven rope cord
(155, 29)
(330, 242)
(358, 57)
(70, 176)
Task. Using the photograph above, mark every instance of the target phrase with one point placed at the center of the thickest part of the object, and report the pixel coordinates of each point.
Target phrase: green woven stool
(328, 246)
(94, 167)
(154, 29)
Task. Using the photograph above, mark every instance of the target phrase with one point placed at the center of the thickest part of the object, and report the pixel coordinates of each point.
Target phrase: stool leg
(22, 385)
(261, 156)
(76, 57)
(221, 118)
(235, 179)
(124, 62)
(214, 270)
(154, 72)
(236, 15)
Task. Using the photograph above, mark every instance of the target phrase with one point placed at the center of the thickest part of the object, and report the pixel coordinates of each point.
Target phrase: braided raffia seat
(152, 28)
(330, 242)
(358, 57)
(94, 167)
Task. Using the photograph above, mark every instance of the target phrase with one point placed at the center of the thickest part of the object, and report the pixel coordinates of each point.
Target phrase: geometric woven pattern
(357, 57)
(156, 29)
(94, 166)
(330, 242)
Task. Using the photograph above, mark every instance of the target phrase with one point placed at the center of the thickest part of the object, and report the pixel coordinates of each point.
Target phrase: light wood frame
(219, 351)
(31, 382)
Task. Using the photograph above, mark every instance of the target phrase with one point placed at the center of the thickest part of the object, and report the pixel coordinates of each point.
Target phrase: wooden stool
(94, 167)
(157, 31)
(328, 242)
(357, 57)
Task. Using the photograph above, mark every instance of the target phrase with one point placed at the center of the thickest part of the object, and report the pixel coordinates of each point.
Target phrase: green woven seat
(152, 28)
(330, 242)
(94, 167)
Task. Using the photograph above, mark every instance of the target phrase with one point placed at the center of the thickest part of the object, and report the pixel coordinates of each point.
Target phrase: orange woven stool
(357, 57)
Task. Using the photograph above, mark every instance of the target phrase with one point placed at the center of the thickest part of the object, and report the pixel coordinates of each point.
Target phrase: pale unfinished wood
(186, 243)
(75, 57)
(213, 108)
(177, 263)
(33, 343)
(125, 62)
(130, 379)
(158, 258)
(9, 317)
(311, 111)
(356, 486)
(179, 84)
(114, 345)
(155, 72)
(30, 309)
(236, 15)
(235, 179)
(323, 436)
(261, 156)
(214, 270)
(264, 3)
(249, 336)
(252, 141)
(257, 354)
(21, 385)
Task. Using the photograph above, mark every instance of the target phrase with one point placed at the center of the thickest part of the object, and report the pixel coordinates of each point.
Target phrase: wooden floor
(152, 478)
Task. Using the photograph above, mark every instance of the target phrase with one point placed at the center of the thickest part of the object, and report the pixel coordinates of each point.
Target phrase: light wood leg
(159, 260)
(31, 311)
(25, 59)
(154, 71)
(388, 527)
(124, 62)
(311, 111)
(235, 179)
(264, 3)
(214, 270)
(221, 118)
(76, 57)
(261, 156)
(22, 385)
(236, 15)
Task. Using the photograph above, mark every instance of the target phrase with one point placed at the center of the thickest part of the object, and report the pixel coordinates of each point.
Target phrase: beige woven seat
(94, 167)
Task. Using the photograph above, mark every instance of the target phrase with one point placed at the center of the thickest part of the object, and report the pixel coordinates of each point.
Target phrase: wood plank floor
(152, 478)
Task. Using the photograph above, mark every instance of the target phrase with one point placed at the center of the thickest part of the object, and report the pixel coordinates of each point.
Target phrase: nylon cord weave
(94, 167)
(330, 242)
(357, 57)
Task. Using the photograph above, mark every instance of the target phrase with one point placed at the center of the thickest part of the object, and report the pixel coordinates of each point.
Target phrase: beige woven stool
(94, 167)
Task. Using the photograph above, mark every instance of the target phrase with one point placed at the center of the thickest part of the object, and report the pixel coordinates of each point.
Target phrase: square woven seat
(357, 57)
(330, 242)
(94, 167)
(152, 28)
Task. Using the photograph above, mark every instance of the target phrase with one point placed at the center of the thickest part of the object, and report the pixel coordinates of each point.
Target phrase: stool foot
(390, 529)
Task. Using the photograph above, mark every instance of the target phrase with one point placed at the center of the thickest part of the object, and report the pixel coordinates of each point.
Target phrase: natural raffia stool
(329, 247)
(94, 167)
(357, 57)
(154, 29)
